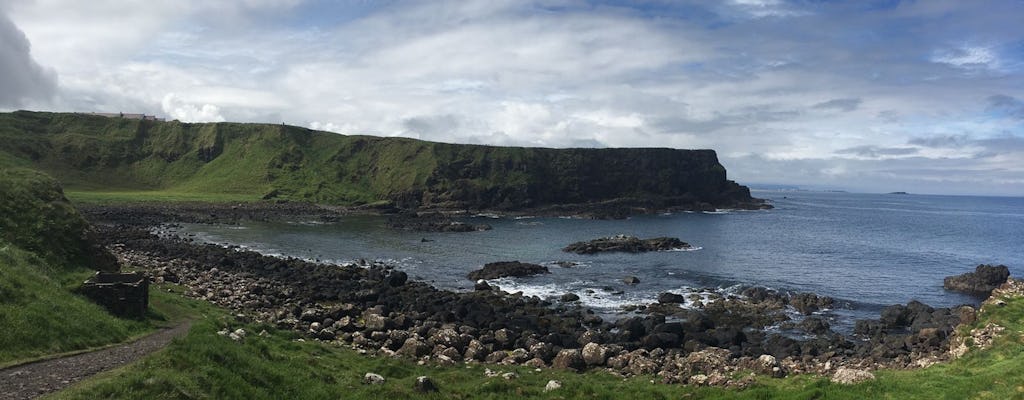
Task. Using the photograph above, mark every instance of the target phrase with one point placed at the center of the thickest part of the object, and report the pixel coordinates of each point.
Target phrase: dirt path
(32, 380)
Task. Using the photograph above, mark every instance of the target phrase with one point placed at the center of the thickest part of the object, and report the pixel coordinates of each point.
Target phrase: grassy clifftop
(253, 161)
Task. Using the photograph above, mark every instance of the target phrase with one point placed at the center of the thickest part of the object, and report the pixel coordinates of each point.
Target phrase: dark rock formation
(433, 222)
(982, 281)
(503, 269)
(626, 244)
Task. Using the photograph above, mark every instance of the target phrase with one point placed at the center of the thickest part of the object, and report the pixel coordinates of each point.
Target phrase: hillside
(254, 161)
(45, 251)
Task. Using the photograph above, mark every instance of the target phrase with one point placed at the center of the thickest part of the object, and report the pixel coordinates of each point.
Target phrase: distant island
(898, 193)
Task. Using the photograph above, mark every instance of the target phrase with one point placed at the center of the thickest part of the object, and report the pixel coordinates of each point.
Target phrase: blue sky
(877, 96)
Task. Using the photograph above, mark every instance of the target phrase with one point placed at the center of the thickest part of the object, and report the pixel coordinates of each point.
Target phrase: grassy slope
(205, 365)
(44, 254)
(104, 159)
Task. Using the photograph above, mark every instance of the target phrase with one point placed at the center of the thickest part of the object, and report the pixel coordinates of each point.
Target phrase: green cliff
(286, 162)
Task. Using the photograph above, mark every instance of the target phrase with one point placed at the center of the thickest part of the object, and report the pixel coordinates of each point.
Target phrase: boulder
(569, 297)
(552, 385)
(503, 269)
(671, 298)
(850, 376)
(424, 385)
(373, 379)
(631, 280)
(982, 281)
(569, 359)
(594, 354)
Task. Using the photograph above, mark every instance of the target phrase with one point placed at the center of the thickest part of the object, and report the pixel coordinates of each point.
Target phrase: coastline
(381, 311)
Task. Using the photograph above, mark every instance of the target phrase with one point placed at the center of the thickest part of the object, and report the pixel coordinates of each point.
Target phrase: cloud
(848, 87)
(1007, 105)
(22, 79)
(875, 152)
(845, 105)
(179, 109)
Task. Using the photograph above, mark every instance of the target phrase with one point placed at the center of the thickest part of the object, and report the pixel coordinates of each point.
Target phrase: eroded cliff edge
(281, 162)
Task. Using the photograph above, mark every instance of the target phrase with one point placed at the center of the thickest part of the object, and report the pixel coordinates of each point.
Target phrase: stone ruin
(123, 294)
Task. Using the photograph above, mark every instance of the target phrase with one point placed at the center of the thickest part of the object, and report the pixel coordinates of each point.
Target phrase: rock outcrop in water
(626, 244)
(504, 269)
(982, 281)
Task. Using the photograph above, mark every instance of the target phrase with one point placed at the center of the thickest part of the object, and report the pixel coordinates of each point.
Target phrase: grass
(111, 197)
(41, 316)
(206, 365)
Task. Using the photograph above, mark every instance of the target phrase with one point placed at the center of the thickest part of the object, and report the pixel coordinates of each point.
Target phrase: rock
(237, 335)
(631, 280)
(814, 325)
(373, 379)
(424, 385)
(626, 244)
(397, 278)
(594, 354)
(982, 281)
(481, 285)
(671, 298)
(569, 359)
(807, 303)
(503, 269)
(850, 376)
(568, 297)
(508, 376)
(552, 385)
(375, 322)
(414, 348)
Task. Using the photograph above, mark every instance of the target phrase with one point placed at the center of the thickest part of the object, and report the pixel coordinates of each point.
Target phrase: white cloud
(180, 109)
(838, 89)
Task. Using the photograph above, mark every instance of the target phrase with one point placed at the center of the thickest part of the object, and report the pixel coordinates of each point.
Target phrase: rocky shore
(376, 308)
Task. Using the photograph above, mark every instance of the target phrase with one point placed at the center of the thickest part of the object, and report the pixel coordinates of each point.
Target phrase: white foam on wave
(717, 212)
(590, 296)
(692, 248)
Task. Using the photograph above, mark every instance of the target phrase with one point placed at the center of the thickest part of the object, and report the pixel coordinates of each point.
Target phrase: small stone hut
(123, 294)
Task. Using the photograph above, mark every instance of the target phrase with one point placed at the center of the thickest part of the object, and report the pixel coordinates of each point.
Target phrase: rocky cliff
(88, 152)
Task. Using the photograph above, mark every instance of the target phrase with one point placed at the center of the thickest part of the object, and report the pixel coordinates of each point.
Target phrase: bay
(865, 250)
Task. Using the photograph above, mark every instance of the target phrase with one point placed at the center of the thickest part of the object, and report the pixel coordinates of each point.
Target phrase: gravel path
(32, 380)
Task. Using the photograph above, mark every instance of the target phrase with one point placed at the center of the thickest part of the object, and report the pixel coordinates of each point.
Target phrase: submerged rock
(503, 269)
(626, 244)
(983, 280)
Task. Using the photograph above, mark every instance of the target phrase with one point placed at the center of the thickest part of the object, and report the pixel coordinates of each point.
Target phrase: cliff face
(286, 162)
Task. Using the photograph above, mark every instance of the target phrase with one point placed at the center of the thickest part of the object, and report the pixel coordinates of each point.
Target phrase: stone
(631, 280)
(569, 297)
(373, 379)
(424, 385)
(569, 359)
(982, 281)
(671, 298)
(552, 386)
(594, 354)
(850, 376)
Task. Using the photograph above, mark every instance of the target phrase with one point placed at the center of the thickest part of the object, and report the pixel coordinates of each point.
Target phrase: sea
(866, 251)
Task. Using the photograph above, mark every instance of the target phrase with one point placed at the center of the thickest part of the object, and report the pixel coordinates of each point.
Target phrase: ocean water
(865, 250)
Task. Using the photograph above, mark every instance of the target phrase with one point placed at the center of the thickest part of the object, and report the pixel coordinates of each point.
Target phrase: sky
(868, 96)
